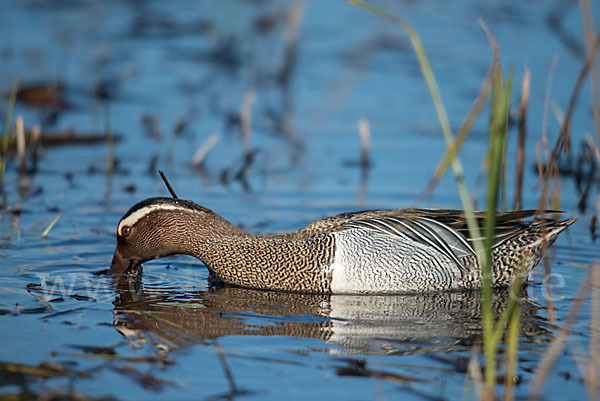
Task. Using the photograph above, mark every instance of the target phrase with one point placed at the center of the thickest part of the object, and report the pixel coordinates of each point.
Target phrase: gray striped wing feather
(422, 230)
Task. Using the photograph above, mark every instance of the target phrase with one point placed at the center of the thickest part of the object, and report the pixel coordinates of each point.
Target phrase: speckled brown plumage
(303, 260)
(271, 262)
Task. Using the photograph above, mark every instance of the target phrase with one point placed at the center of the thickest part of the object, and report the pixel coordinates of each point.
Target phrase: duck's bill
(121, 265)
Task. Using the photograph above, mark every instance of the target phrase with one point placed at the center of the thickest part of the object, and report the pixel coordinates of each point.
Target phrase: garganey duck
(377, 251)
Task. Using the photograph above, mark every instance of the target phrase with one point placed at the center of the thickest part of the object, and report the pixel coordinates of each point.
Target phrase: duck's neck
(281, 262)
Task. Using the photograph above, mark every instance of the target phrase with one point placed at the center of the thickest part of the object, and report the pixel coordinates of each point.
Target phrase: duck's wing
(508, 224)
(423, 230)
(445, 230)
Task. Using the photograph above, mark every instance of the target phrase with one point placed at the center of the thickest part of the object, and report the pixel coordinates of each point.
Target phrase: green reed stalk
(427, 72)
(6, 134)
(498, 129)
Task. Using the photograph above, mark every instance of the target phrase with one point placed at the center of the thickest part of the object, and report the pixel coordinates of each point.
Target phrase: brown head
(158, 227)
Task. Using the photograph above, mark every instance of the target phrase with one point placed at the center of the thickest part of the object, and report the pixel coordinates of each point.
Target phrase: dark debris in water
(41, 309)
(92, 349)
(51, 396)
(64, 138)
(159, 359)
(39, 288)
(16, 372)
(102, 272)
(151, 127)
(146, 380)
(358, 368)
(48, 95)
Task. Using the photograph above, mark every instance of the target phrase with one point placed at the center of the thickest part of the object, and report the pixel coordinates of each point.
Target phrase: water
(163, 65)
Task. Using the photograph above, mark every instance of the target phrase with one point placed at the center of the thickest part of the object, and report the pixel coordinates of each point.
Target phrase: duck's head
(158, 227)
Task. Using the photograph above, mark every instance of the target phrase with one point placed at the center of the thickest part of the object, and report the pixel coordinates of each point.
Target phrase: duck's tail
(519, 255)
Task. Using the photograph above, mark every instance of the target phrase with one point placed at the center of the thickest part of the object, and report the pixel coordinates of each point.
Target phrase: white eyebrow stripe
(136, 216)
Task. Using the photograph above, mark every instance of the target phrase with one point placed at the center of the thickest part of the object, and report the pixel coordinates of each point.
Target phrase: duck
(389, 251)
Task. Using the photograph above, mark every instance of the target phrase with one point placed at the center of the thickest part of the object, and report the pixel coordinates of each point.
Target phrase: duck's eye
(125, 231)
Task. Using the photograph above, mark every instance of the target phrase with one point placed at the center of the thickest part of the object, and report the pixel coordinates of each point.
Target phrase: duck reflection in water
(353, 324)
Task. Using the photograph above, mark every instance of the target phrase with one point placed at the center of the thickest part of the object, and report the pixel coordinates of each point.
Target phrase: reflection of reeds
(554, 350)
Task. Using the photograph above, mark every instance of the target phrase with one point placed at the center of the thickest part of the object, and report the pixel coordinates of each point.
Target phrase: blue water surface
(190, 64)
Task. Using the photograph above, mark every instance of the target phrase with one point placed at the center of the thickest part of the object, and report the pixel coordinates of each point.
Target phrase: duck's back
(418, 250)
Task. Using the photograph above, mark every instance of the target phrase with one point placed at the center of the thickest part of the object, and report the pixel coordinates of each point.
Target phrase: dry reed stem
(291, 40)
(595, 149)
(543, 202)
(555, 348)
(461, 135)
(364, 133)
(563, 140)
(52, 223)
(595, 334)
(559, 115)
(491, 39)
(525, 84)
(20, 131)
(479, 179)
(474, 368)
(36, 135)
(588, 34)
(203, 149)
(589, 64)
(246, 120)
(547, 99)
